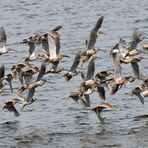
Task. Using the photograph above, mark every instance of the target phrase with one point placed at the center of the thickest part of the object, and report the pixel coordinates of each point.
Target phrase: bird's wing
(75, 62)
(2, 37)
(45, 45)
(9, 80)
(13, 109)
(141, 97)
(101, 92)
(98, 23)
(136, 38)
(52, 47)
(56, 28)
(31, 48)
(41, 72)
(57, 43)
(28, 79)
(117, 67)
(87, 100)
(2, 71)
(136, 33)
(90, 70)
(135, 68)
(30, 94)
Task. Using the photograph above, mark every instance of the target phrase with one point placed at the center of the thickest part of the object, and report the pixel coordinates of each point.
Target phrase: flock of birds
(122, 53)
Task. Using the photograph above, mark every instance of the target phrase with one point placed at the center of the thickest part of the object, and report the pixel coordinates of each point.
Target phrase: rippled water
(50, 121)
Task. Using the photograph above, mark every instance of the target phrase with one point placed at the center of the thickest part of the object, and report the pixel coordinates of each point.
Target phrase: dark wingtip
(57, 28)
(99, 23)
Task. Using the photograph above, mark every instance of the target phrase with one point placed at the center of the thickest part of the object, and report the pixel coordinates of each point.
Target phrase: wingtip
(99, 23)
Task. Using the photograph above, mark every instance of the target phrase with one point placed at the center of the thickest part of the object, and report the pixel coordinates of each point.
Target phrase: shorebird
(118, 83)
(86, 88)
(73, 72)
(28, 74)
(31, 43)
(103, 82)
(87, 55)
(3, 38)
(75, 95)
(94, 34)
(87, 58)
(36, 39)
(18, 68)
(54, 44)
(141, 91)
(134, 52)
(103, 74)
(127, 53)
(24, 63)
(124, 50)
(82, 96)
(39, 81)
(98, 109)
(9, 105)
(138, 92)
(128, 60)
(90, 52)
(136, 38)
(54, 68)
(54, 48)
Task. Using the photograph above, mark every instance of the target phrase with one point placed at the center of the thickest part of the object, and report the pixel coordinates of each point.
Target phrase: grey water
(51, 121)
